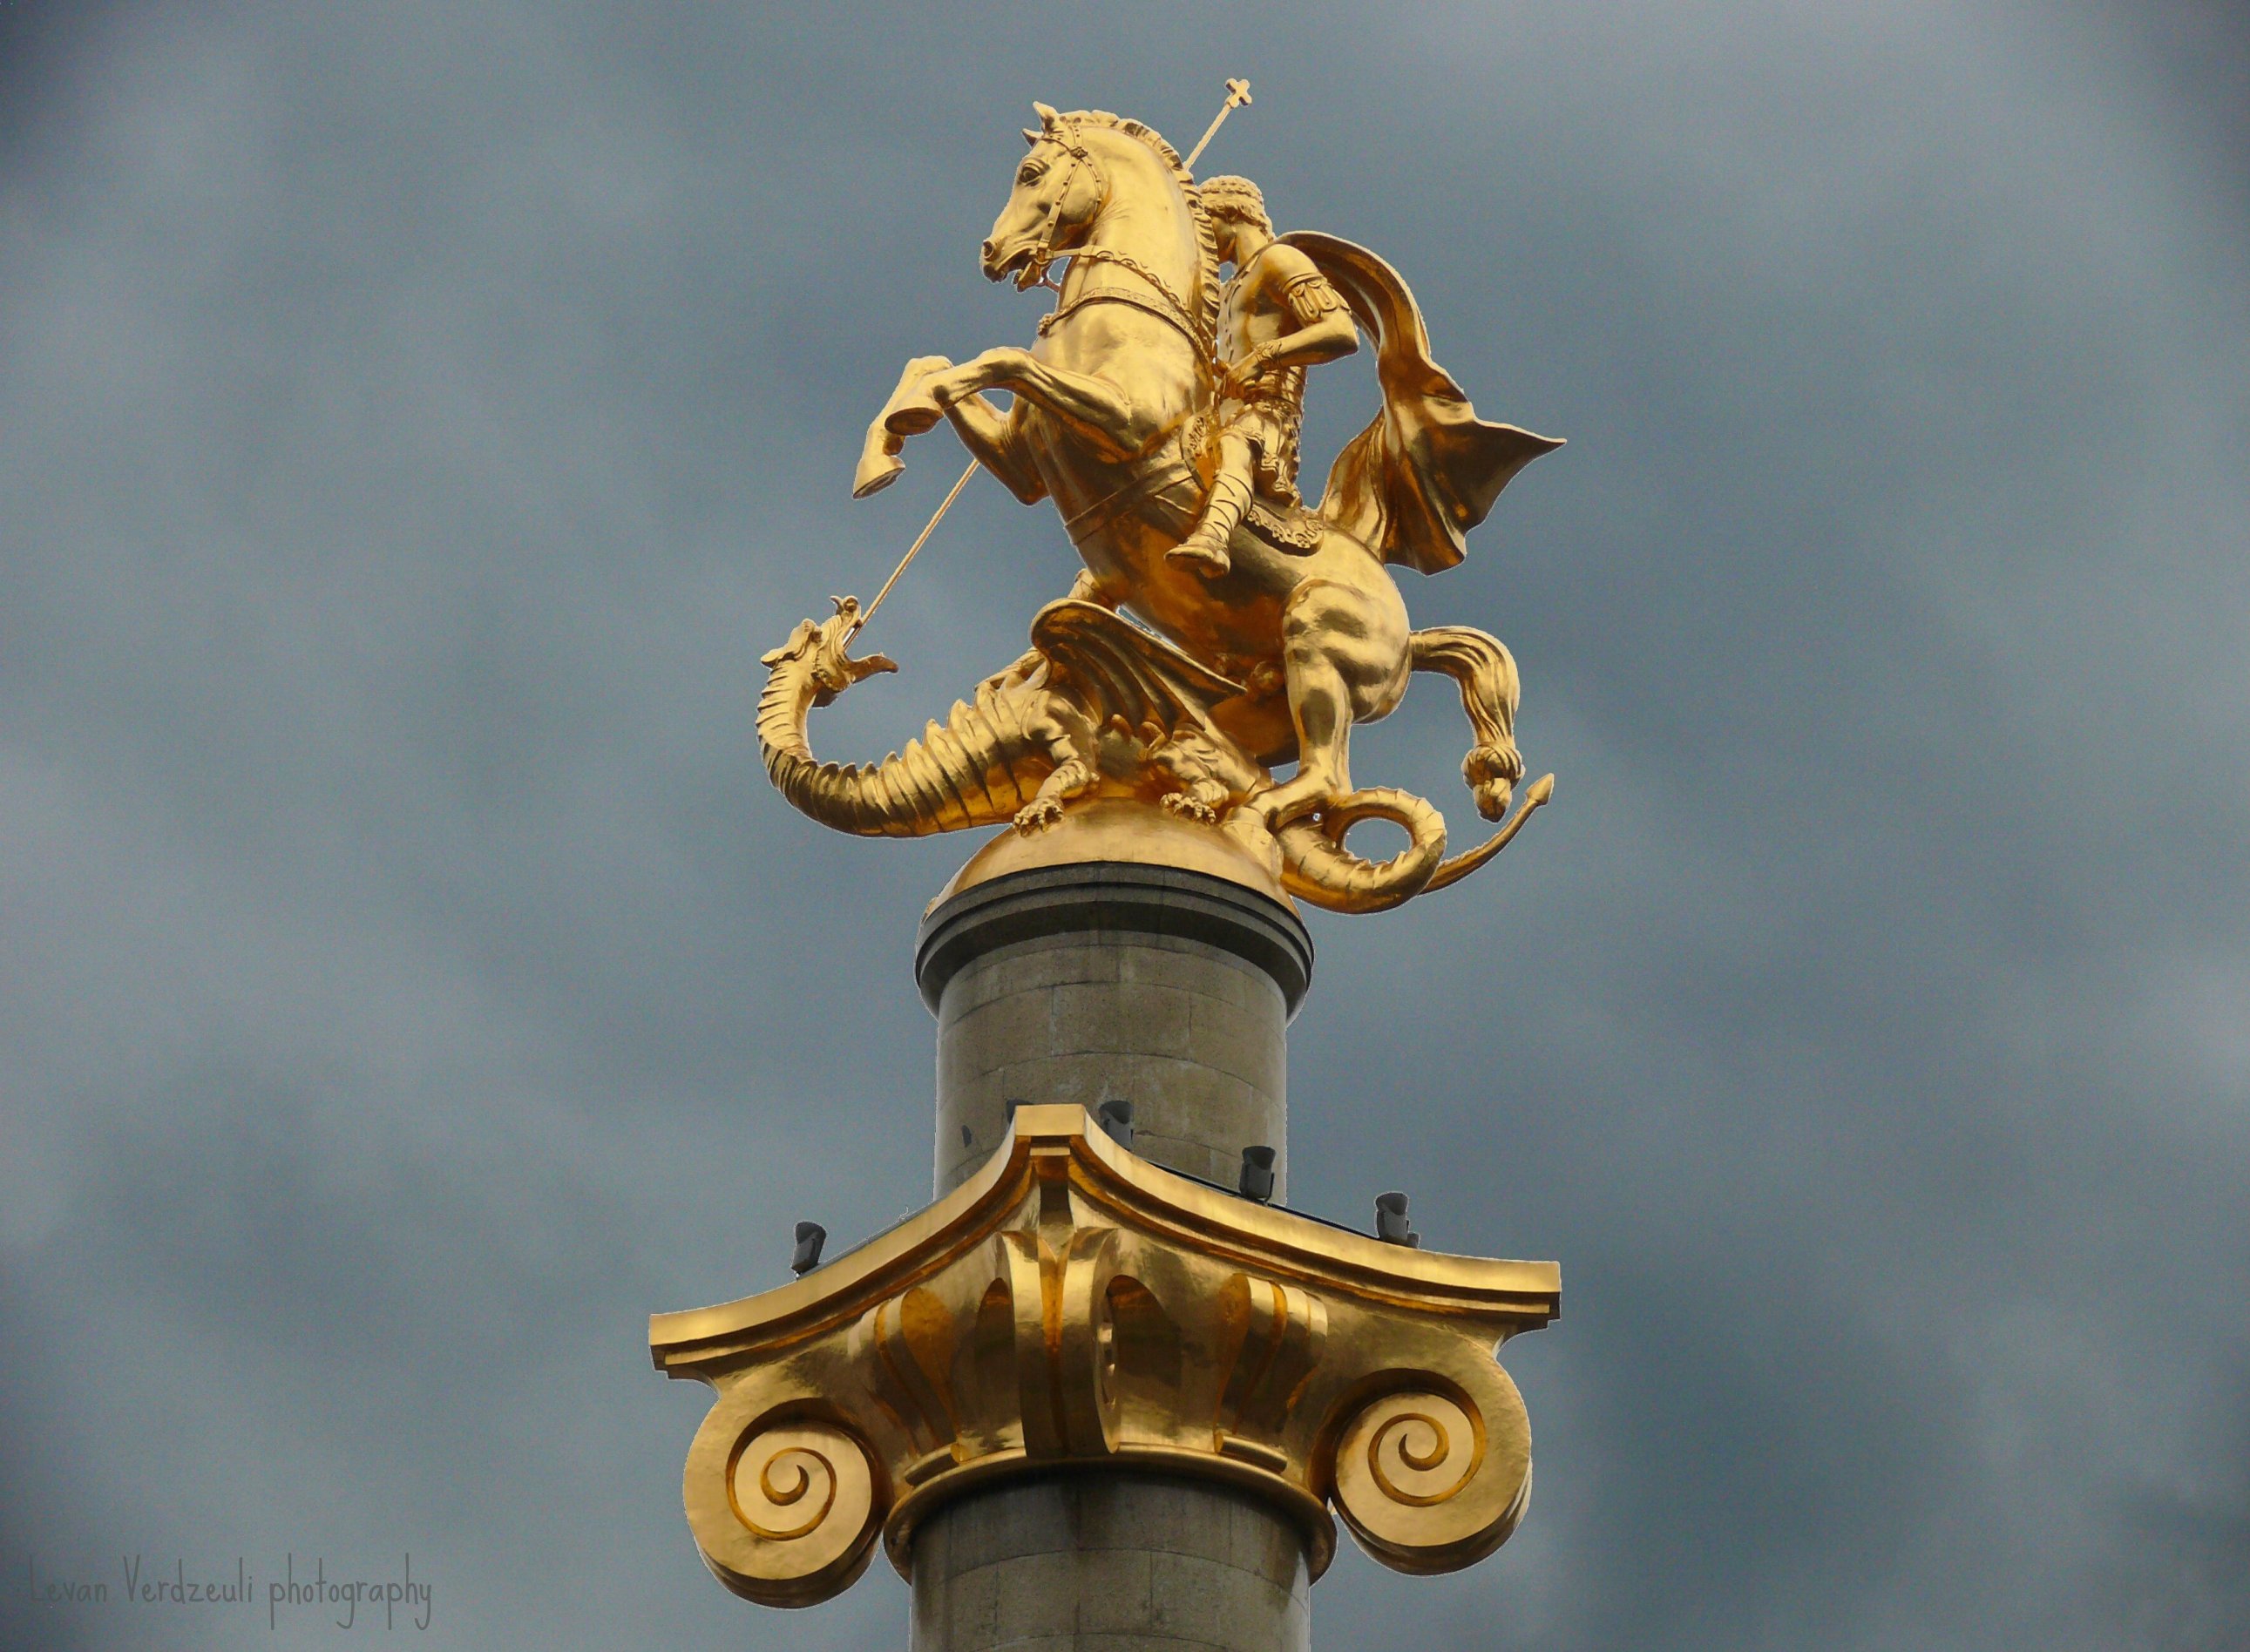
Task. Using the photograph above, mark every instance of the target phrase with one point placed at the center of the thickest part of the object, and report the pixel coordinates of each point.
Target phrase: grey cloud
(420, 418)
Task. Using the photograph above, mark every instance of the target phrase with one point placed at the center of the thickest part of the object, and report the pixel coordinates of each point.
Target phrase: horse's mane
(1207, 283)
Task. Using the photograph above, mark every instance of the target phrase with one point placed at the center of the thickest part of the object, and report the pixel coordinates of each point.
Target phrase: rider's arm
(1322, 329)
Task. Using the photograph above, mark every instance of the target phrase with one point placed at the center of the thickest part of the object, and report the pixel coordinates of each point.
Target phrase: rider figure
(1280, 316)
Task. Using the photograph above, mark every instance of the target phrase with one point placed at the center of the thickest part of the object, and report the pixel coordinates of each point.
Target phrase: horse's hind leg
(1344, 657)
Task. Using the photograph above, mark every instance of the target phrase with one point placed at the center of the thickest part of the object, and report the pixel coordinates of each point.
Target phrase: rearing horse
(1110, 419)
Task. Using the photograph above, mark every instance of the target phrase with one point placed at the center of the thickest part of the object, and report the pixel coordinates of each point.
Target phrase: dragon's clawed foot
(1074, 777)
(1188, 806)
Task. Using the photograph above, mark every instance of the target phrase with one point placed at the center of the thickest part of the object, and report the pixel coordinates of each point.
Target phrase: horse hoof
(913, 417)
(877, 471)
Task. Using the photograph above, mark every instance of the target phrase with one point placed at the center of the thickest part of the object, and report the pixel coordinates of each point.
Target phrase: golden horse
(1273, 661)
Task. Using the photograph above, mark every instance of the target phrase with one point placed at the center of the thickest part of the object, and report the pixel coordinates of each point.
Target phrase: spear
(1238, 93)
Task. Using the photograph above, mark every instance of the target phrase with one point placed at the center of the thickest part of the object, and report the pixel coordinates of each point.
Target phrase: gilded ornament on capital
(1074, 1307)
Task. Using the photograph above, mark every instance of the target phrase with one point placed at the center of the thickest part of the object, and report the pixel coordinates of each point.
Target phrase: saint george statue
(1220, 627)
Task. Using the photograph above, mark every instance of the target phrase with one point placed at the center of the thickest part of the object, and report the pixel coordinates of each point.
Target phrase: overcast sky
(417, 418)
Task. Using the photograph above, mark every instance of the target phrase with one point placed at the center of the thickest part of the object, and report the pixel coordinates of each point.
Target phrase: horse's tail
(1486, 673)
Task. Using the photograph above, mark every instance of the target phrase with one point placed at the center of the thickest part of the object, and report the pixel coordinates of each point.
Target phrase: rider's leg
(1204, 549)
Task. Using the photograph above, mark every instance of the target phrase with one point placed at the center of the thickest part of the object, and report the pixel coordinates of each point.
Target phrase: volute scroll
(1432, 1478)
(785, 1505)
(1074, 1306)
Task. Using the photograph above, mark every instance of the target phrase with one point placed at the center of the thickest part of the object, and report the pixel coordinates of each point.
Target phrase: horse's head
(1058, 193)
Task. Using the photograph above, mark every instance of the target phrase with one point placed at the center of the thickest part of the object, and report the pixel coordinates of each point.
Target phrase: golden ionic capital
(1073, 1306)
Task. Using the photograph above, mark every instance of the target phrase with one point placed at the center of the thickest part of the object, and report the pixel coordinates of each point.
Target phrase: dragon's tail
(975, 769)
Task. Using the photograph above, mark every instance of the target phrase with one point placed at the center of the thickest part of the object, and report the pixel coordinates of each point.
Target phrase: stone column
(1094, 1396)
(1170, 990)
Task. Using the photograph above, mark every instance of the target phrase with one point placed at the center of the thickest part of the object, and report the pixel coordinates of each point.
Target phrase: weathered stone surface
(1194, 1036)
(1124, 1563)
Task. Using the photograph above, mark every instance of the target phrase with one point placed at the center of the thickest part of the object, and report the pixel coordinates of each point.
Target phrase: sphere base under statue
(1127, 831)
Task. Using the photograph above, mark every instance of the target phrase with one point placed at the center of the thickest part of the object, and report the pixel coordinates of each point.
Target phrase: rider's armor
(1272, 405)
(1265, 413)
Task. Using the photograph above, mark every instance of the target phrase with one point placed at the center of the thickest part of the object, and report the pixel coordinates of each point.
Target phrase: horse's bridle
(1043, 254)
(1066, 138)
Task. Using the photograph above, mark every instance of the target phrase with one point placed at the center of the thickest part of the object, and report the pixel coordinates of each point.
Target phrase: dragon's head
(816, 651)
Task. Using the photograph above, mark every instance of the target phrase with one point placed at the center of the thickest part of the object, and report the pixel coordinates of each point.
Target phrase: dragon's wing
(1125, 670)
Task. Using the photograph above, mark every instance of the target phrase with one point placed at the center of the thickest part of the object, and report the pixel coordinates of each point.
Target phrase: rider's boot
(1205, 549)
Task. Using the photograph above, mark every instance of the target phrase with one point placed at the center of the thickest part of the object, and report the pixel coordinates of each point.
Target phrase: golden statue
(1220, 627)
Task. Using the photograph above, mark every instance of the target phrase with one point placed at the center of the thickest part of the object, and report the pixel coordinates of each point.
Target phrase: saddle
(1290, 528)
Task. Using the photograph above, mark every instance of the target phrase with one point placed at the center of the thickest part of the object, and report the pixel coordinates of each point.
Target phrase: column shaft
(1173, 991)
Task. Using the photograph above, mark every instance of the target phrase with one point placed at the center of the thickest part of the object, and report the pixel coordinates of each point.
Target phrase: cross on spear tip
(1237, 95)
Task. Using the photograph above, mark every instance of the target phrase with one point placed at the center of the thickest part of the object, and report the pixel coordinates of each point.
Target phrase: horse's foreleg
(880, 464)
(989, 436)
(1097, 409)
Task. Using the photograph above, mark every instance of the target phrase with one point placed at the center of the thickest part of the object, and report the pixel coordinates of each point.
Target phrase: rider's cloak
(1413, 484)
